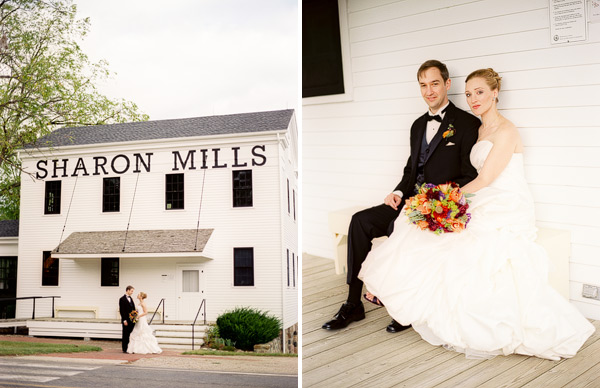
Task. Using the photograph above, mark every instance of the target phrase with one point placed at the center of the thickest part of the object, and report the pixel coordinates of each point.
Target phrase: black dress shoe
(348, 313)
(395, 327)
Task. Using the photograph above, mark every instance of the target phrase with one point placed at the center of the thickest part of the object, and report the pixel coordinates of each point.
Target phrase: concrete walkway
(170, 358)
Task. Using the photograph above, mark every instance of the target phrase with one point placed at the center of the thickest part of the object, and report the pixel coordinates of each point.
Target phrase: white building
(186, 210)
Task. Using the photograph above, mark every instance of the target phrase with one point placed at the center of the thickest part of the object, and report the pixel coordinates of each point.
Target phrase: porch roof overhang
(135, 243)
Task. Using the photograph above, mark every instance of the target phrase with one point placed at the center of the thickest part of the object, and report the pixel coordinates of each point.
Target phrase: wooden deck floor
(365, 355)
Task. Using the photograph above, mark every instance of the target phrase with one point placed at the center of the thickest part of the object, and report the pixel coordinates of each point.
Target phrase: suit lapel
(417, 141)
(448, 119)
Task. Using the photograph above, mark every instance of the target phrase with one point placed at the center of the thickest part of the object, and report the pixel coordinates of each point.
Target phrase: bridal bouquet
(133, 316)
(440, 209)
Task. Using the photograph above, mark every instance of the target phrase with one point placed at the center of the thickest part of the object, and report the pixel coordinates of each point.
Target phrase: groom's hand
(393, 200)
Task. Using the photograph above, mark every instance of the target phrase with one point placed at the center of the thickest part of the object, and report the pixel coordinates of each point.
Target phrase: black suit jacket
(125, 308)
(448, 159)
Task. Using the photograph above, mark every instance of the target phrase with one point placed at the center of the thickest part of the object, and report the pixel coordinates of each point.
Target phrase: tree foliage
(47, 82)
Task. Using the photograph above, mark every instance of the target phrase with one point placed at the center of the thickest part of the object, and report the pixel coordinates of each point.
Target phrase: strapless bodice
(481, 150)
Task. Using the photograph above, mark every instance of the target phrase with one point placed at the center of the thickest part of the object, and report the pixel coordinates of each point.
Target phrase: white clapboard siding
(354, 151)
(266, 226)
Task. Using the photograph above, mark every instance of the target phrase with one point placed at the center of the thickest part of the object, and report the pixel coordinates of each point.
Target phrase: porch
(365, 355)
(170, 334)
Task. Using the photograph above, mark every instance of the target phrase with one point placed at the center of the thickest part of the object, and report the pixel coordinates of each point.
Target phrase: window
(111, 195)
(242, 188)
(288, 195)
(294, 202)
(288, 267)
(49, 269)
(322, 71)
(52, 198)
(243, 266)
(174, 191)
(109, 272)
(294, 269)
(190, 280)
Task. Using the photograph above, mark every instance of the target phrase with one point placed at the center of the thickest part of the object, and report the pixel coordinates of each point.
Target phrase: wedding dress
(484, 291)
(141, 340)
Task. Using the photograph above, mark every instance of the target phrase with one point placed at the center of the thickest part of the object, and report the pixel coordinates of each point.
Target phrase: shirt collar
(441, 112)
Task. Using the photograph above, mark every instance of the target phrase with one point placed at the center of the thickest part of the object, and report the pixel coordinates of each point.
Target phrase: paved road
(20, 373)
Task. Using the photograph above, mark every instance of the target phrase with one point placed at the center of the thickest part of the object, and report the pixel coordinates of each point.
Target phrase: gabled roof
(9, 228)
(278, 120)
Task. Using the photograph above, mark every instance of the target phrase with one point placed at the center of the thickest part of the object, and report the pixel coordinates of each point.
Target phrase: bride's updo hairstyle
(492, 79)
(143, 295)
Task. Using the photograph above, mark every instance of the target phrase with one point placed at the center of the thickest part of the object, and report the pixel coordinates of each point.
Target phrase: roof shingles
(167, 129)
(138, 241)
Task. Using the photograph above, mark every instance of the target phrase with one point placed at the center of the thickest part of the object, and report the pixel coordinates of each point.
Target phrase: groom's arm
(123, 310)
(404, 184)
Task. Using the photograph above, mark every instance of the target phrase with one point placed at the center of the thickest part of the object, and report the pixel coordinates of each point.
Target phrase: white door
(190, 292)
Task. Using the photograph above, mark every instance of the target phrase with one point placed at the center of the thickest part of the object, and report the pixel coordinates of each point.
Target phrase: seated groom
(433, 159)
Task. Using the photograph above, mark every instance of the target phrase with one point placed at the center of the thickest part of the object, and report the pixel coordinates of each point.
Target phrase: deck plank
(364, 355)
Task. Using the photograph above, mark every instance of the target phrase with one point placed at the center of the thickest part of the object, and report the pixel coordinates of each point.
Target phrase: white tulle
(484, 291)
(141, 340)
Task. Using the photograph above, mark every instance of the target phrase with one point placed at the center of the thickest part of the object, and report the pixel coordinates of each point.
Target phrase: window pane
(322, 71)
(52, 197)
(174, 189)
(243, 266)
(294, 269)
(111, 198)
(242, 188)
(190, 280)
(49, 270)
(109, 272)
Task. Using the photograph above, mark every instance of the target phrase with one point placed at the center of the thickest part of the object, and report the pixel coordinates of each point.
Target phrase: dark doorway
(8, 286)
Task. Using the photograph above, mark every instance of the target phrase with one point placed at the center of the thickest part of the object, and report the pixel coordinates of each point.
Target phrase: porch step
(63, 328)
(180, 347)
(179, 336)
(171, 334)
(11, 322)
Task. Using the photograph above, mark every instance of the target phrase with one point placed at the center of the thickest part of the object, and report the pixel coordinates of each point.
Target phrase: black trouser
(126, 332)
(366, 225)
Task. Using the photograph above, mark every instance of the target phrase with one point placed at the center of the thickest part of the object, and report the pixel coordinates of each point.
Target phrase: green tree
(46, 82)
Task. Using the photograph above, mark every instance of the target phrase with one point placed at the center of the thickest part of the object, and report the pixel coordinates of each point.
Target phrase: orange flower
(424, 208)
(455, 195)
(423, 224)
(444, 187)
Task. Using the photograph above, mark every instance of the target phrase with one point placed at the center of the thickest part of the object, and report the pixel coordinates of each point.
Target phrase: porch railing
(162, 302)
(202, 305)
(34, 298)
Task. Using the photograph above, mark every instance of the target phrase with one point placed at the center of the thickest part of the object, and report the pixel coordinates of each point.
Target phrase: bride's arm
(504, 146)
(145, 310)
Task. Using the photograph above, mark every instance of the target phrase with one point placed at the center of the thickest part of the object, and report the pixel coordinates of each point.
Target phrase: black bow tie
(436, 118)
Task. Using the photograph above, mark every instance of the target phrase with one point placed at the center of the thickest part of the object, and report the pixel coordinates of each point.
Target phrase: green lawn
(14, 348)
(209, 352)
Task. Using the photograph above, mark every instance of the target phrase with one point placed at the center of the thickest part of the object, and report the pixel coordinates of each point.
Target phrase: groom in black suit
(440, 144)
(126, 306)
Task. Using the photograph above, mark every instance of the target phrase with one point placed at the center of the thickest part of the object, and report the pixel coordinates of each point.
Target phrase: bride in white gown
(484, 291)
(141, 340)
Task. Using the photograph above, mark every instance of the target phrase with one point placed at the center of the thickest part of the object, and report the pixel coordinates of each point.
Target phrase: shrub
(247, 327)
(212, 334)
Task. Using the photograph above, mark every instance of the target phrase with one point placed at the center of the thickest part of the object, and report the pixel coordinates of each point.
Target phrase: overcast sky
(188, 58)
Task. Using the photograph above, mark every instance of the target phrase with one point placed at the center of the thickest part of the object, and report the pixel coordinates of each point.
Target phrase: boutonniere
(449, 132)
